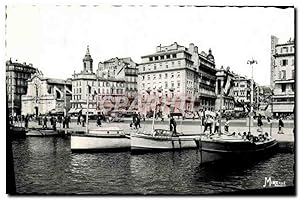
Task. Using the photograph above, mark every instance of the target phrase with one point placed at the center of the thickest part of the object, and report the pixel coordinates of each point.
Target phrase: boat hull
(93, 143)
(219, 150)
(44, 133)
(141, 143)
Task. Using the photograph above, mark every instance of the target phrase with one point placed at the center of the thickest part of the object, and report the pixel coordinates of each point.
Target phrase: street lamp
(251, 62)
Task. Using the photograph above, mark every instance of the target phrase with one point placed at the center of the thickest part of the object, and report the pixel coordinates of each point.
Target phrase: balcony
(278, 81)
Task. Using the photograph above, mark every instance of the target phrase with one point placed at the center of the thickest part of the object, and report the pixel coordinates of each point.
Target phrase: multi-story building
(105, 93)
(17, 75)
(264, 97)
(225, 81)
(46, 96)
(124, 69)
(242, 92)
(283, 77)
(183, 78)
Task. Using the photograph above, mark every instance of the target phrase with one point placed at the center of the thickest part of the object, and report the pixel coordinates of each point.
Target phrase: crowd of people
(211, 123)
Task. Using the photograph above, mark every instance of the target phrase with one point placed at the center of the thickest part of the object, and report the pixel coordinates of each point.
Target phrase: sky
(54, 38)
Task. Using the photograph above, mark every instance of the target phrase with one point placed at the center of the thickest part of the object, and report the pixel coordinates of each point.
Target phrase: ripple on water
(46, 166)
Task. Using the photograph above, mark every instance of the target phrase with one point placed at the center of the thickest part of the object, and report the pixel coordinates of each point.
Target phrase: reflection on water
(46, 165)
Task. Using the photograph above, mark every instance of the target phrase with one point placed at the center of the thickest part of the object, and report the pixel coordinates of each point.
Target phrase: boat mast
(154, 116)
(87, 109)
(65, 100)
(221, 107)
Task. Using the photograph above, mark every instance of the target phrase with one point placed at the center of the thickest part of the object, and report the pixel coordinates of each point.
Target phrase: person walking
(226, 126)
(138, 122)
(45, 121)
(82, 121)
(98, 120)
(79, 120)
(26, 121)
(173, 125)
(280, 126)
(259, 123)
(64, 121)
(54, 123)
(217, 124)
(69, 121)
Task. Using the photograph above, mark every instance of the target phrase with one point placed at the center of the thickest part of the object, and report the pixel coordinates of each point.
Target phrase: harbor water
(45, 165)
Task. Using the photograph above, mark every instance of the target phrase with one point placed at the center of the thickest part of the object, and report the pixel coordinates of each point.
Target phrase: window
(284, 62)
(166, 75)
(168, 56)
(162, 57)
(143, 77)
(283, 74)
(166, 85)
(178, 74)
(178, 84)
(172, 75)
(173, 55)
(279, 74)
(293, 87)
(283, 87)
(148, 77)
(150, 59)
(144, 68)
(179, 62)
(154, 67)
(159, 76)
(156, 57)
(293, 74)
(154, 77)
(172, 84)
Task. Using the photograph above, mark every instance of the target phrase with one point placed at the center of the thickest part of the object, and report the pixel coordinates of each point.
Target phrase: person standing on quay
(68, 120)
(78, 120)
(259, 123)
(82, 121)
(45, 122)
(26, 121)
(98, 120)
(281, 125)
(217, 125)
(226, 126)
(173, 125)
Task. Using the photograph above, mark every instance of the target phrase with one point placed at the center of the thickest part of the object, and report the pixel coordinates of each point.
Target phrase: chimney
(196, 49)
(191, 47)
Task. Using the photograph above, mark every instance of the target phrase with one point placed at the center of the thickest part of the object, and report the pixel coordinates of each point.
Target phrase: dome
(210, 56)
(87, 56)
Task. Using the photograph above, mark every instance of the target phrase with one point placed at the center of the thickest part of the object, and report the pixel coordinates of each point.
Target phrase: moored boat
(100, 139)
(162, 140)
(220, 148)
(40, 132)
(17, 132)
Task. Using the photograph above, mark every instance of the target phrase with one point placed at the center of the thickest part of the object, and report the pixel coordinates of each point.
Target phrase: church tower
(88, 61)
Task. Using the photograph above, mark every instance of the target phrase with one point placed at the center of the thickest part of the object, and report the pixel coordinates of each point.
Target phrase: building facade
(242, 93)
(17, 75)
(105, 92)
(283, 77)
(225, 81)
(123, 69)
(177, 79)
(46, 96)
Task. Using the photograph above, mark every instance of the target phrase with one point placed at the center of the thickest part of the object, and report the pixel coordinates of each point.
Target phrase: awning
(91, 111)
(54, 111)
(72, 110)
